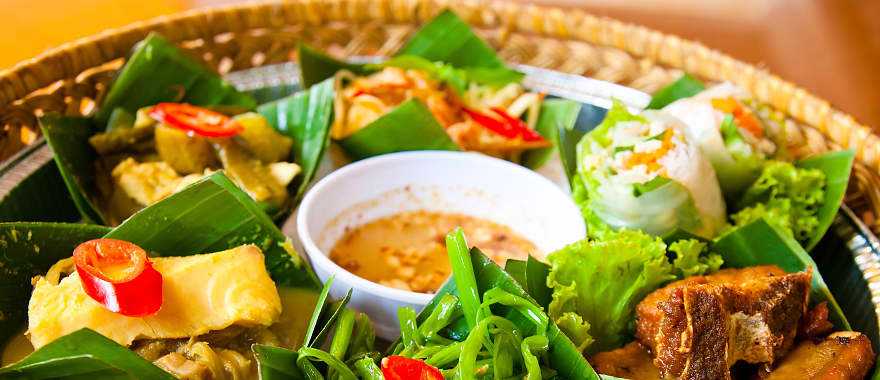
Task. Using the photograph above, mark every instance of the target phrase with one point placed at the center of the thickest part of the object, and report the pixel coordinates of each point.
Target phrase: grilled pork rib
(699, 327)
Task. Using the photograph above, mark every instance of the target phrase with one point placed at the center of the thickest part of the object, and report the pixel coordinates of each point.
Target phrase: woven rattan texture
(72, 77)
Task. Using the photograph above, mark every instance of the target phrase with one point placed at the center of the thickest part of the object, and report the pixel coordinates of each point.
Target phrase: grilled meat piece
(699, 327)
(628, 362)
(841, 356)
(815, 324)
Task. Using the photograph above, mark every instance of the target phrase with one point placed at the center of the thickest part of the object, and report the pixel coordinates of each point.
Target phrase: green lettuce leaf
(787, 196)
(690, 258)
(598, 283)
(602, 281)
(616, 114)
(576, 329)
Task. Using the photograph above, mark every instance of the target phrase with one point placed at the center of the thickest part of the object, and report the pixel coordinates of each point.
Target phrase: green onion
(447, 355)
(409, 331)
(524, 306)
(463, 272)
(341, 339)
(306, 354)
(440, 316)
(529, 345)
(505, 351)
(368, 370)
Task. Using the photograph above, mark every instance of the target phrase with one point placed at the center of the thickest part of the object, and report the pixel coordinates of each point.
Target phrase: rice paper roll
(643, 172)
(729, 132)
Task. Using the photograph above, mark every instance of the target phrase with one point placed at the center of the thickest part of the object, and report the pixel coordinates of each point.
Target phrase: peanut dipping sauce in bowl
(408, 250)
(377, 226)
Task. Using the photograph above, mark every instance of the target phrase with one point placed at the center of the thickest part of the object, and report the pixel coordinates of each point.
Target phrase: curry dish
(407, 250)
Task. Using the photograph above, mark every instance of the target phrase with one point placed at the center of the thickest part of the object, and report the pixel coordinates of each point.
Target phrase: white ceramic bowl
(465, 183)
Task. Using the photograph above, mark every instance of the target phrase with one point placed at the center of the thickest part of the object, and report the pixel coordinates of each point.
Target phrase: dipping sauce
(408, 250)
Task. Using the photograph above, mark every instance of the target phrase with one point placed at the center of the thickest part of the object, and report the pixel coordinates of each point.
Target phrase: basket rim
(70, 59)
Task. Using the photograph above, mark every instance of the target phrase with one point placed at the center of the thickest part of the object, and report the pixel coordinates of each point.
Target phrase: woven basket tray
(72, 77)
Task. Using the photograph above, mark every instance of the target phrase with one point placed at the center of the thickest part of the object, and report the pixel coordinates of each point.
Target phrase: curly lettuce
(598, 283)
(786, 196)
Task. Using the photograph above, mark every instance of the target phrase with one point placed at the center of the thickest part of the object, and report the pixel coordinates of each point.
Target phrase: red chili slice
(198, 120)
(509, 127)
(401, 368)
(492, 124)
(118, 275)
(521, 127)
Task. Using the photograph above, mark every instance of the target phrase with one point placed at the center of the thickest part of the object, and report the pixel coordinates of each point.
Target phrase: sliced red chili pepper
(401, 368)
(118, 275)
(198, 120)
(521, 127)
(509, 127)
(492, 124)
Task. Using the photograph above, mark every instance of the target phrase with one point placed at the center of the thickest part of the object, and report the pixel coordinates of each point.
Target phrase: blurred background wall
(830, 47)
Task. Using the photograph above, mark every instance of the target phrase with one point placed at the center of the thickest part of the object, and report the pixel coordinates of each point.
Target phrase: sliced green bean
(306, 354)
(440, 316)
(368, 370)
(529, 345)
(342, 337)
(409, 331)
(463, 273)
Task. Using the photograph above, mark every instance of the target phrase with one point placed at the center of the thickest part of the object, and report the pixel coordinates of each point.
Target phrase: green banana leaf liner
(209, 216)
(564, 357)
(158, 71)
(33, 190)
(411, 126)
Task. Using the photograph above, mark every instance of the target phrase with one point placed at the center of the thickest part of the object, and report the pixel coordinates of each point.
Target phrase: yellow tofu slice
(201, 293)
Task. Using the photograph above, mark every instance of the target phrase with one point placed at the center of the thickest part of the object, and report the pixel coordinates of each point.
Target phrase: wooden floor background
(830, 47)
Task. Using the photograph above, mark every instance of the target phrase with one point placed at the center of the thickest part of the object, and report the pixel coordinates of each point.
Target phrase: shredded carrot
(649, 159)
(741, 115)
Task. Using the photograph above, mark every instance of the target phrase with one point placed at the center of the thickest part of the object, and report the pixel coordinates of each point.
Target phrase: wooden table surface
(830, 47)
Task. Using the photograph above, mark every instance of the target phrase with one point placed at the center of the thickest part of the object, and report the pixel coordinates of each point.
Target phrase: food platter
(838, 275)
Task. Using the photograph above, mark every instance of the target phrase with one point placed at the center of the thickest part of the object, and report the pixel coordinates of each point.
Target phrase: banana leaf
(39, 193)
(531, 274)
(208, 216)
(157, 71)
(556, 115)
(447, 38)
(69, 139)
(212, 215)
(837, 167)
(29, 250)
(683, 87)
(569, 135)
(410, 126)
(84, 354)
(563, 356)
(760, 243)
(316, 67)
(275, 363)
(305, 117)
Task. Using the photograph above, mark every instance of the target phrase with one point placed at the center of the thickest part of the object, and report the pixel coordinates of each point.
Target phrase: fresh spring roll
(728, 132)
(643, 172)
